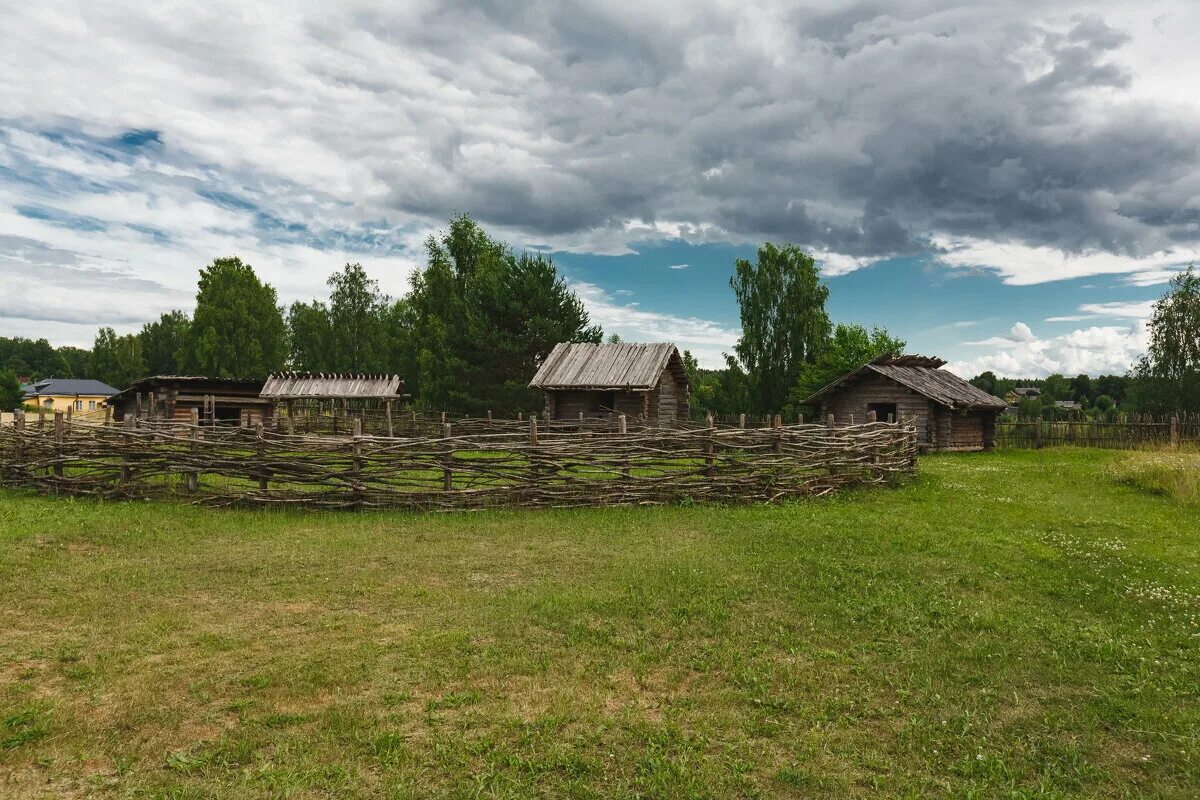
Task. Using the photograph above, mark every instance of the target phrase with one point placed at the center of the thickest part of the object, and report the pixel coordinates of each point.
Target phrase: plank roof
(925, 377)
(610, 366)
(313, 385)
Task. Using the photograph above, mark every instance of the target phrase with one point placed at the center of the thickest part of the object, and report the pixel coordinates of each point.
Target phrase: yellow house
(60, 394)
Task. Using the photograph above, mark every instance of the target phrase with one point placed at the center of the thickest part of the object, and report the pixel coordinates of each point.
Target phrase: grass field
(1018, 624)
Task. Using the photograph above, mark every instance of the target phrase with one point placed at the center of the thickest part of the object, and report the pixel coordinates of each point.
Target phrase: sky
(1006, 185)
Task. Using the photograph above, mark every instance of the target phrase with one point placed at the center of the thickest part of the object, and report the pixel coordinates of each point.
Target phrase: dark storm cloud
(861, 131)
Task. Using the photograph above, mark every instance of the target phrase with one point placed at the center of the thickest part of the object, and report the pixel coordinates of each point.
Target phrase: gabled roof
(68, 387)
(304, 385)
(1027, 391)
(622, 365)
(925, 377)
(196, 384)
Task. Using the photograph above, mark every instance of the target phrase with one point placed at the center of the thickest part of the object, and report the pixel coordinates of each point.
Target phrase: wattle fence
(460, 469)
(1118, 431)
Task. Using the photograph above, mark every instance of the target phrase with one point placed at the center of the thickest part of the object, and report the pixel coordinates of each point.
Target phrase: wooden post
(443, 418)
(870, 416)
(70, 412)
(830, 421)
(891, 418)
(138, 406)
(851, 420)
(1037, 433)
(387, 411)
(264, 473)
(107, 415)
(741, 420)
(151, 411)
(59, 430)
(799, 419)
(489, 416)
(709, 461)
(126, 470)
(193, 477)
(533, 440)
(622, 429)
(447, 459)
(1174, 432)
(41, 416)
(581, 422)
(520, 416)
(19, 439)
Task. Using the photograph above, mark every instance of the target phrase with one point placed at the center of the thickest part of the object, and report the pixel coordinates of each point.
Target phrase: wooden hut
(951, 414)
(647, 382)
(216, 400)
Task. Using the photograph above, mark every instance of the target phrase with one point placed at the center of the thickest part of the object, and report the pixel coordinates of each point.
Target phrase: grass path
(1016, 624)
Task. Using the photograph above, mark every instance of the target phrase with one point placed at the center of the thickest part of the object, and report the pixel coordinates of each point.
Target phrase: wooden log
(107, 415)
(709, 461)
(126, 468)
(829, 421)
(387, 410)
(447, 460)
(193, 477)
(41, 416)
(138, 406)
(1174, 432)
(70, 414)
(870, 416)
(742, 421)
(59, 435)
(264, 473)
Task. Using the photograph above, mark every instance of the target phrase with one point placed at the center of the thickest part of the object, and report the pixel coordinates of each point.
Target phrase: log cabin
(950, 413)
(173, 397)
(646, 382)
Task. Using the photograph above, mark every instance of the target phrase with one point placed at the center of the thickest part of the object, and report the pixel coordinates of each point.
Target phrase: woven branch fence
(532, 468)
(1117, 432)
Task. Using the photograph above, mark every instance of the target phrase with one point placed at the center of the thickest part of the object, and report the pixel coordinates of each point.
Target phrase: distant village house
(68, 394)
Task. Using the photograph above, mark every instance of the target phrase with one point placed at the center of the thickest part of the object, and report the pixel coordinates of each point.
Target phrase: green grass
(1018, 624)
(1172, 474)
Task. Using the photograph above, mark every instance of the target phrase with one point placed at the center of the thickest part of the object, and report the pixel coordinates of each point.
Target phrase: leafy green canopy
(849, 348)
(34, 358)
(237, 330)
(117, 360)
(1168, 376)
(10, 391)
(163, 341)
(781, 301)
(479, 319)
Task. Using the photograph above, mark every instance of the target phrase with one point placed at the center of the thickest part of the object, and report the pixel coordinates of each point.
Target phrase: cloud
(1131, 310)
(1022, 354)
(706, 339)
(679, 266)
(1040, 140)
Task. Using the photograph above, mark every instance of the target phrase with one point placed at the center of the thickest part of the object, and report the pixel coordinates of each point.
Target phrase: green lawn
(1019, 624)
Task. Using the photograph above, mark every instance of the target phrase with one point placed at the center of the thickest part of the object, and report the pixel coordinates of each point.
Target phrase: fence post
(709, 461)
(59, 429)
(533, 441)
(387, 410)
(799, 419)
(19, 439)
(41, 416)
(138, 406)
(741, 420)
(126, 470)
(1174, 432)
(1037, 433)
(447, 458)
(193, 477)
(70, 412)
(264, 473)
(829, 421)
(356, 460)
(489, 416)
(107, 415)
(581, 422)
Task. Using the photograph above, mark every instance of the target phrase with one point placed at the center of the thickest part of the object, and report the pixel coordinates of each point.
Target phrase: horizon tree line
(479, 318)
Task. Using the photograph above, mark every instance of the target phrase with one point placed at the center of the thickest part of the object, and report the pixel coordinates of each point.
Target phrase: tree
(781, 301)
(1056, 387)
(1081, 388)
(10, 391)
(850, 347)
(309, 337)
(985, 381)
(1104, 403)
(237, 330)
(356, 309)
(1168, 376)
(117, 360)
(162, 342)
(76, 359)
(32, 358)
(1029, 407)
(480, 319)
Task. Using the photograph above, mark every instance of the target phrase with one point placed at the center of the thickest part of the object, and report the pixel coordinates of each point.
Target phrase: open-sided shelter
(216, 400)
(951, 414)
(644, 381)
(318, 397)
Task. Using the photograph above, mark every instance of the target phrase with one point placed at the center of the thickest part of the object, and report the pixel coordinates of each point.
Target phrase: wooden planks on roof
(302, 385)
(623, 365)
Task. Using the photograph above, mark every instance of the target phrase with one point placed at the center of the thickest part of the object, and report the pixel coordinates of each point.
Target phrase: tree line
(479, 318)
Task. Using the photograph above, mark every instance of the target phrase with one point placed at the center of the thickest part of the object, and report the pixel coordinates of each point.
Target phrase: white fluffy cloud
(706, 339)
(1095, 351)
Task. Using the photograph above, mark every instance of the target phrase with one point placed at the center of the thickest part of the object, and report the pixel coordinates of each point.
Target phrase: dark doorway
(883, 411)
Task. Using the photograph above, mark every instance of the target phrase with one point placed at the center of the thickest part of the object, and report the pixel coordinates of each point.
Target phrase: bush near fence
(1120, 432)
(457, 470)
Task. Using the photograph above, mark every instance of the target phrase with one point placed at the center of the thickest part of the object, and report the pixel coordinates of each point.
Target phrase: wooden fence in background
(456, 470)
(1124, 432)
